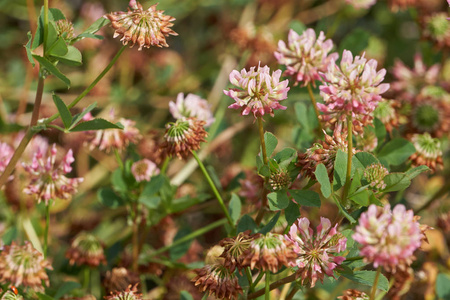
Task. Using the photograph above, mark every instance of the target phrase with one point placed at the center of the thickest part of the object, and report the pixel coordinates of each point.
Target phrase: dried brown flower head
(131, 293)
(119, 279)
(234, 248)
(86, 249)
(351, 294)
(217, 280)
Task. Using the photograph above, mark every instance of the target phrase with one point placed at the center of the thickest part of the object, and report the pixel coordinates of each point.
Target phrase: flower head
(354, 295)
(258, 91)
(305, 55)
(23, 266)
(353, 88)
(6, 153)
(47, 180)
(191, 106)
(269, 252)
(388, 238)
(145, 27)
(375, 174)
(386, 112)
(428, 151)
(119, 279)
(183, 136)
(64, 29)
(131, 293)
(144, 169)
(437, 29)
(362, 4)
(316, 253)
(10, 295)
(218, 281)
(234, 248)
(86, 249)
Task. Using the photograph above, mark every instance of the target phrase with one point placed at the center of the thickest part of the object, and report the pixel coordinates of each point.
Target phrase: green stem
(165, 165)
(262, 210)
(190, 236)
(257, 280)
(47, 225)
(314, 103)
(118, 158)
(261, 137)
(215, 191)
(273, 286)
(87, 278)
(375, 283)
(45, 25)
(349, 160)
(249, 279)
(91, 86)
(267, 287)
(37, 100)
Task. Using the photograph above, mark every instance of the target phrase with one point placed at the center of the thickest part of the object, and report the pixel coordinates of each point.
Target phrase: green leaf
(358, 194)
(66, 288)
(443, 286)
(64, 112)
(278, 200)
(271, 143)
(91, 36)
(28, 49)
(78, 117)
(39, 34)
(185, 295)
(109, 198)
(96, 124)
(264, 171)
(269, 226)
(118, 182)
(396, 182)
(306, 198)
(52, 69)
(364, 159)
(340, 170)
(380, 130)
(292, 212)
(343, 210)
(55, 14)
(179, 250)
(52, 37)
(301, 113)
(396, 151)
(367, 278)
(9, 235)
(416, 171)
(323, 179)
(72, 57)
(147, 197)
(44, 297)
(234, 207)
(58, 48)
(285, 157)
(96, 26)
(246, 223)
(356, 41)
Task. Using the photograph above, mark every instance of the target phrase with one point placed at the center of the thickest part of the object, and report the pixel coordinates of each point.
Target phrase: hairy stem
(349, 160)
(274, 285)
(215, 191)
(314, 103)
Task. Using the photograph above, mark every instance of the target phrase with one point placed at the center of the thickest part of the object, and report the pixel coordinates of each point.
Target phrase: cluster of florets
(131, 293)
(145, 27)
(305, 56)
(87, 250)
(144, 169)
(351, 90)
(388, 238)
(258, 92)
(428, 151)
(375, 174)
(48, 181)
(191, 106)
(217, 280)
(317, 254)
(437, 29)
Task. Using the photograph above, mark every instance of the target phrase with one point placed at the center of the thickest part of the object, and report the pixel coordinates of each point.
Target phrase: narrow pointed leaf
(63, 111)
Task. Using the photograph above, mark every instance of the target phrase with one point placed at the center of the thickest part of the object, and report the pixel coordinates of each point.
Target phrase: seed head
(234, 248)
(428, 151)
(86, 249)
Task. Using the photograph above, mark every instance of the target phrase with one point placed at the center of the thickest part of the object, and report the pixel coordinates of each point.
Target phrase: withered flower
(86, 249)
(119, 279)
(234, 248)
(217, 280)
(131, 293)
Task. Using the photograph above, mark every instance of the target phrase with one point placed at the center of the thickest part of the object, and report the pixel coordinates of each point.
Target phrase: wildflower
(351, 294)
(144, 169)
(386, 112)
(361, 4)
(23, 266)
(269, 252)
(375, 174)
(279, 180)
(437, 29)
(191, 106)
(409, 82)
(116, 139)
(6, 153)
(316, 253)
(118, 279)
(146, 28)
(258, 91)
(353, 88)
(234, 248)
(183, 136)
(305, 56)
(388, 238)
(48, 181)
(64, 29)
(86, 249)
(10, 295)
(428, 151)
(131, 293)
(218, 280)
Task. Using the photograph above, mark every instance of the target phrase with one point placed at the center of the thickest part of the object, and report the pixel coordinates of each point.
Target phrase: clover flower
(375, 174)
(388, 238)
(316, 253)
(269, 252)
(115, 139)
(386, 112)
(131, 293)
(10, 295)
(279, 179)
(48, 181)
(305, 55)
(437, 29)
(351, 294)
(145, 27)
(353, 89)
(23, 266)
(119, 279)
(183, 137)
(258, 91)
(234, 248)
(64, 29)
(86, 249)
(218, 281)
(144, 169)
(361, 4)
(191, 106)
(6, 153)
(428, 151)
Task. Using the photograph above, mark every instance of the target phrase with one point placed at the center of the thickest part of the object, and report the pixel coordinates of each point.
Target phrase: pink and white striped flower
(258, 91)
(144, 169)
(317, 252)
(48, 181)
(353, 88)
(305, 55)
(191, 106)
(388, 238)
